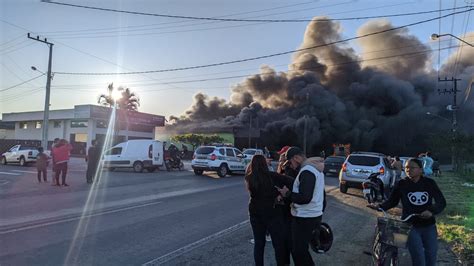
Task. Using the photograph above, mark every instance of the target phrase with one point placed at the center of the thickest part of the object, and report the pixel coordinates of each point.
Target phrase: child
(42, 164)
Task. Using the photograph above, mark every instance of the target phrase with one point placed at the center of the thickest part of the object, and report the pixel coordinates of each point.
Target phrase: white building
(83, 124)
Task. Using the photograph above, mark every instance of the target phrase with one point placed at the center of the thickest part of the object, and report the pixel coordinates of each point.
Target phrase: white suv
(221, 159)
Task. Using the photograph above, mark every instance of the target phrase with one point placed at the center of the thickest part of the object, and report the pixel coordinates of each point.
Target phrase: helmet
(325, 238)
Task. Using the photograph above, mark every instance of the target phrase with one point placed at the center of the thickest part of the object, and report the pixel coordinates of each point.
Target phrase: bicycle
(390, 235)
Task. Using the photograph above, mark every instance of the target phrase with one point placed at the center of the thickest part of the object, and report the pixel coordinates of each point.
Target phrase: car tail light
(213, 157)
(194, 156)
(382, 170)
(365, 185)
(344, 167)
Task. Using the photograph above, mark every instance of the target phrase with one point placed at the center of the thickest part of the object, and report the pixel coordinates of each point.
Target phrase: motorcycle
(176, 163)
(373, 189)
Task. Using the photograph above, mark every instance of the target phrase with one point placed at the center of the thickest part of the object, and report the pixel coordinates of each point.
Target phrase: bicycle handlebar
(402, 220)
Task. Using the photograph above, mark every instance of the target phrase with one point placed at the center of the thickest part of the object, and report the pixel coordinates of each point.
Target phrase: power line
(263, 56)
(19, 84)
(234, 19)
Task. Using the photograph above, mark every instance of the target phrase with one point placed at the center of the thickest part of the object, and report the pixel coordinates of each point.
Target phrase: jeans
(423, 245)
(273, 224)
(301, 234)
(60, 169)
(45, 174)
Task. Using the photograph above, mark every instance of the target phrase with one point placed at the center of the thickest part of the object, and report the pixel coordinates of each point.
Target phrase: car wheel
(198, 172)
(138, 167)
(222, 171)
(4, 160)
(22, 161)
(343, 188)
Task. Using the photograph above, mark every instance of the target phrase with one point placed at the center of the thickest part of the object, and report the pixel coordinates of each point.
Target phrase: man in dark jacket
(307, 197)
(92, 159)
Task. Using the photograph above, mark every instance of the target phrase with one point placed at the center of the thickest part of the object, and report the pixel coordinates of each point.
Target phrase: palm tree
(128, 102)
(107, 99)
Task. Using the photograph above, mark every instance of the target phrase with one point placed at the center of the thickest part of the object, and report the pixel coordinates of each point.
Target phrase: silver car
(359, 165)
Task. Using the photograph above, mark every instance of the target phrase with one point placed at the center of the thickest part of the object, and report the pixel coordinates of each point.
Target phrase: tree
(107, 99)
(128, 102)
(197, 139)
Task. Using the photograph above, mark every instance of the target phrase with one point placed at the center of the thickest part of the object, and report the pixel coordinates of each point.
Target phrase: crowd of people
(288, 204)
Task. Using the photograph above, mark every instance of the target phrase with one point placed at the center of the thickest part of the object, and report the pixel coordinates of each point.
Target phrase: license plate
(366, 191)
(333, 170)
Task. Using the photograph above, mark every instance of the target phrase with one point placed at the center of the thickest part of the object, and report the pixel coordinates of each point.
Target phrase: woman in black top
(263, 210)
(419, 195)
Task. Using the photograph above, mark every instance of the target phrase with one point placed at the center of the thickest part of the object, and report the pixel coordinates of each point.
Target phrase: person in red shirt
(61, 153)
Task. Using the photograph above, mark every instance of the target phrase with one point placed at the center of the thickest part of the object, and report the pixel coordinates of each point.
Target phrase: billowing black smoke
(376, 101)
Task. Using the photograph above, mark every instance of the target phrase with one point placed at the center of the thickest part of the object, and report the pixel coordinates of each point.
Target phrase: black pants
(91, 172)
(45, 174)
(60, 169)
(301, 234)
(260, 225)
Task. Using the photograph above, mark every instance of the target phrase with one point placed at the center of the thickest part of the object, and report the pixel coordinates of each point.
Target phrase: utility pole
(250, 131)
(44, 140)
(305, 126)
(453, 109)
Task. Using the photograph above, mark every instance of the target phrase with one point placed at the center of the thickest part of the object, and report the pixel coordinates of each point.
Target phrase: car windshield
(204, 150)
(250, 152)
(364, 160)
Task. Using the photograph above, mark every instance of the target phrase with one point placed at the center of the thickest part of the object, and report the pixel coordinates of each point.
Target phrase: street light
(435, 36)
(45, 126)
(444, 118)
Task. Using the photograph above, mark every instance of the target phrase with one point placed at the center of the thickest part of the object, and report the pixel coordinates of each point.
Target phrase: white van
(137, 154)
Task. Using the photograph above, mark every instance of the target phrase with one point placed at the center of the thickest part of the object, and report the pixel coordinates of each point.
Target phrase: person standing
(307, 197)
(397, 165)
(92, 159)
(264, 216)
(53, 177)
(419, 195)
(42, 164)
(61, 156)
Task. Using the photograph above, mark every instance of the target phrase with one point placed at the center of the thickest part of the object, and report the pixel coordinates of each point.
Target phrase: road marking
(23, 171)
(8, 173)
(77, 218)
(174, 254)
(4, 182)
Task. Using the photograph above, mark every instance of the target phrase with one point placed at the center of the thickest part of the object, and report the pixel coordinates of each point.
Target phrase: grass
(456, 222)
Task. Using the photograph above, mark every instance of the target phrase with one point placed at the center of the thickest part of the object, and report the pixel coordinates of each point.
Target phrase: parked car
(251, 152)
(138, 154)
(333, 165)
(219, 158)
(21, 154)
(359, 165)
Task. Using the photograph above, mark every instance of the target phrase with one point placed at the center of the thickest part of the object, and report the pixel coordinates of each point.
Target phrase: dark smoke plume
(373, 104)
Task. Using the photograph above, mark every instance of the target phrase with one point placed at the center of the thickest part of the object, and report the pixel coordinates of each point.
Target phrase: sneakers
(66, 185)
(267, 237)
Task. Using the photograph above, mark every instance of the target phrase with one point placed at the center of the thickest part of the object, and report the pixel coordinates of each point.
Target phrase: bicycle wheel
(390, 257)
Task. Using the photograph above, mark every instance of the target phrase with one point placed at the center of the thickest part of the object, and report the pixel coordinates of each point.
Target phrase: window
(115, 151)
(24, 125)
(222, 151)
(364, 160)
(101, 124)
(79, 123)
(38, 124)
(204, 150)
(57, 124)
(229, 152)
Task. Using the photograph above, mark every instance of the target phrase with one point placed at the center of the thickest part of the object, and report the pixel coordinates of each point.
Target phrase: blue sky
(97, 41)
